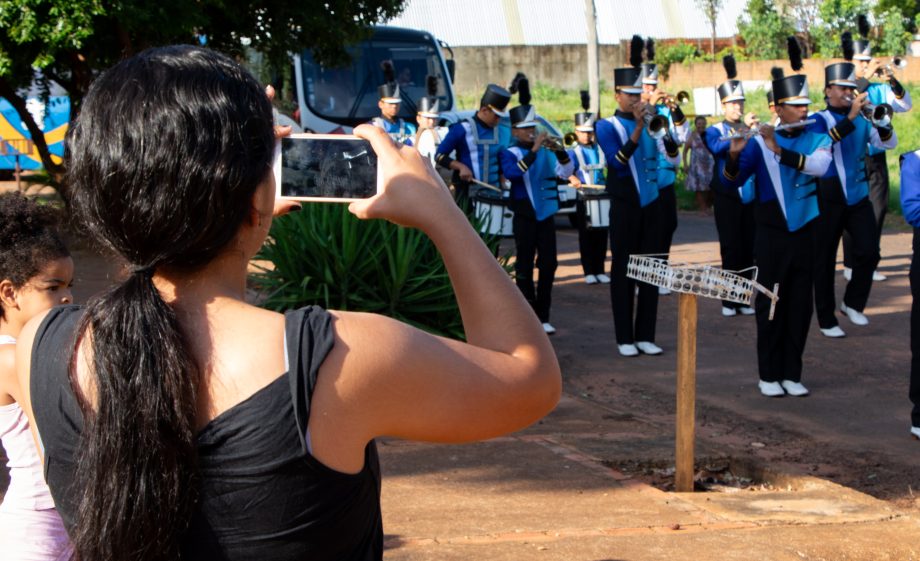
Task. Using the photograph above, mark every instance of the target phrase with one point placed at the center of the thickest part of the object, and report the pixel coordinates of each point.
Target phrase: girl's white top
(27, 483)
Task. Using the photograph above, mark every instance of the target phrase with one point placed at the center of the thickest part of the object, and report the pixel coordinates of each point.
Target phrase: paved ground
(828, 477)
(586, 483)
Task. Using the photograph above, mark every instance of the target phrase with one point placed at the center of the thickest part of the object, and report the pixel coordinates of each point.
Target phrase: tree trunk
(56, 171)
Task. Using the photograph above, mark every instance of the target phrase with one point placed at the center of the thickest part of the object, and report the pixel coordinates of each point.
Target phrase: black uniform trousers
(914, 391)
(735, 225)
(534, 240)
(858, 220)
(592, 242)
(668, 200)
(633, 230)
(877, 175)
(786, 258)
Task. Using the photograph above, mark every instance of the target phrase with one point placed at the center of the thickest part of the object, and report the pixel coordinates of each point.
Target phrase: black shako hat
(650, 73)
(627, 80)
(840, 74)
(389, 93)
(731, 90)
(584, 122)
(523, 116)
(791, 90)
(428, 107)
(863, 50)
(496, 98)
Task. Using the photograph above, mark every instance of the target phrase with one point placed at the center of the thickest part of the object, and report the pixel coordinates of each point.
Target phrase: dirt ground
(852, 430)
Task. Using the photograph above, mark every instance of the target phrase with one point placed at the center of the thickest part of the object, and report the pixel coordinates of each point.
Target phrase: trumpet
(681, 98)
(754, 131)
(570, 139)
(879, 115)
(655, 124)
(554, 143)
(897, 63)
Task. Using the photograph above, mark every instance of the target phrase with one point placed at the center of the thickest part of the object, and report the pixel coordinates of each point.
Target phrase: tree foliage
(895, 35)
(764, 30)
(836, 16)
(70, 41)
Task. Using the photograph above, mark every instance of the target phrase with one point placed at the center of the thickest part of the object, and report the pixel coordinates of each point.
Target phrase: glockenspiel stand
(691, 281)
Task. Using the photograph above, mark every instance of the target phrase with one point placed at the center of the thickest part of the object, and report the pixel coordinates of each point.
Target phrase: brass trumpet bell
(570, 139)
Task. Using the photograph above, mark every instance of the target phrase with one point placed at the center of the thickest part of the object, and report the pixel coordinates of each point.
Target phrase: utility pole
(593, 66)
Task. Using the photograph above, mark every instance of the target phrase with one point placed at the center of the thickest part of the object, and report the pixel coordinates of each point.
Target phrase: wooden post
(686, 392)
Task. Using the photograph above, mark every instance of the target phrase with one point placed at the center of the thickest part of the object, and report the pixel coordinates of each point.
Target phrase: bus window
(348, 95)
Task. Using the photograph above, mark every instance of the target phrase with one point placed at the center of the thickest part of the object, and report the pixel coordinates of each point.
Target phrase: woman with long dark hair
(176, 420)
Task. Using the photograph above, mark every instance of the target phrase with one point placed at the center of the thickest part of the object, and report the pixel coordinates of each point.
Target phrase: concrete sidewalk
(541, 494)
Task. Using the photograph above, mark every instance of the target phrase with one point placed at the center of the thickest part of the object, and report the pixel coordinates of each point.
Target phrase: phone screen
(326, 168)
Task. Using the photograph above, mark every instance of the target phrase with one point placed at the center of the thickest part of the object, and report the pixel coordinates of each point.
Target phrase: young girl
(36, 272)
(699, 172)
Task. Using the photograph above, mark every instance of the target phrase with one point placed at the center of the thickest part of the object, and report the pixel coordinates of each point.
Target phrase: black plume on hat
(795, 53)
(513, 86)
(846, 43)
(731, 70)
(862, 24)
(521, 86)
(431, 85)
(776, 73)
(585, 99)
(650, 49)
(389, 73)
(635, 51)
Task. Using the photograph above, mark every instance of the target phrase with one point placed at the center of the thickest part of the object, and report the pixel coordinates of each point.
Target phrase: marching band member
(389, 104)
(429, 134)
(843, 194)
(910, 205)
(894, 94)
(785, 164)
(476, 143)
(589, 164)
(632, 181)
(733, 208)
(777, 74)
(679, 129)
(532, 169)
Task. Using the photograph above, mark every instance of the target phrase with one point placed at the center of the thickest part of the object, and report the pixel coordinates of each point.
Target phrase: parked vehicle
(335, 100)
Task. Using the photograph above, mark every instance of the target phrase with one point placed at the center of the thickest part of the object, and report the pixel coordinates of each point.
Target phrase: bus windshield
(348, 95)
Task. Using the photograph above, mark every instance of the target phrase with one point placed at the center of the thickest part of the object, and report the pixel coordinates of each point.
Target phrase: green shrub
(323, 255)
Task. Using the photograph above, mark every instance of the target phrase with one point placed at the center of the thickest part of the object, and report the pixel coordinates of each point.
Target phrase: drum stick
(591, 186)
(486, 185)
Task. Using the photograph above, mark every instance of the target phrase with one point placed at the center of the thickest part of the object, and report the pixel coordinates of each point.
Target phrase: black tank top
(262, 494)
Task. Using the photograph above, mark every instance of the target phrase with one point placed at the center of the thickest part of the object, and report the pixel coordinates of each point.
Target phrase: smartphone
(325, 168)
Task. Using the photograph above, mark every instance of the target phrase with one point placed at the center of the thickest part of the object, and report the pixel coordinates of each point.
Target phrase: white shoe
(857, 318)
(648, 348)
(729, 312)
(746, 310)
(795, 389)
(833, 332)
(848, 273)
(770, 389)
(548, 328)
(628, 350)
(664, 291)
(915, 432)
(590, 279)
(603, 279)
(878, 277)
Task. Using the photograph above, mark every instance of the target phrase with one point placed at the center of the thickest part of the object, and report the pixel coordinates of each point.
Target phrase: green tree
(764, 30)
(895, 35)
(908, 9)
(836, 16)
(70, 41)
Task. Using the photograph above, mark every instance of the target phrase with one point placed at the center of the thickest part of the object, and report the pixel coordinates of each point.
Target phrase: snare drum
(493, 214)
(597, 208)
